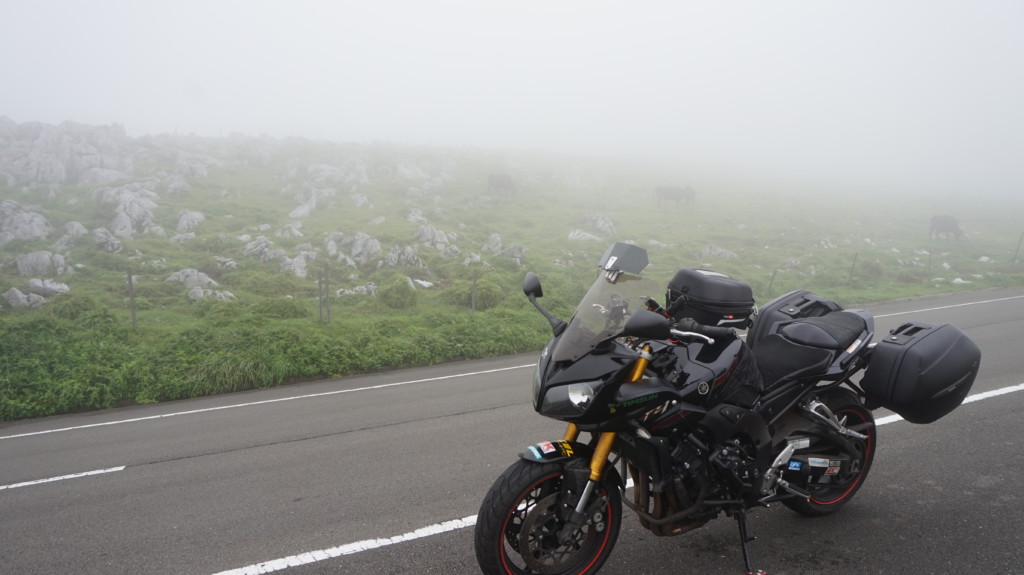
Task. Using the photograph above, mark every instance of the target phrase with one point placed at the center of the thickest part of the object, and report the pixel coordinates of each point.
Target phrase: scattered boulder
(363, 248)
(106, 241)
(431, 236)
(581, 235)
(188, 221)
(493, 244)
(369, 289)
(41, 264)
(260, 248)
(176, 185)
(18, 223)
(603, 225)
(132, 205)
(46, 287)
(75, 229)
(401, 257)
(191, 278)
(16, 299)
(197, 293)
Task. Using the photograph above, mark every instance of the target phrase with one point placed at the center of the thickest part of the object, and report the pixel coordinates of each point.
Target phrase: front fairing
(579, 368)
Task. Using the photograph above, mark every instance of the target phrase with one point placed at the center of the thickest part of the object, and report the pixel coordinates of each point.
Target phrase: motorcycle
(699, 421)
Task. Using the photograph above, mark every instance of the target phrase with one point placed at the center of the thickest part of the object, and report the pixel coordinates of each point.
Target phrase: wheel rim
(530, 534)
(848, 484)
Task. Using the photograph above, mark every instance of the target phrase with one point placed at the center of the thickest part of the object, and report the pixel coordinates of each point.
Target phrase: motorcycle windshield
(609, 302)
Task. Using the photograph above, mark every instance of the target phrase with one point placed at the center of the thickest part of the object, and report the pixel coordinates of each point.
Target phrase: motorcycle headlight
(580, 395)
(567, 401)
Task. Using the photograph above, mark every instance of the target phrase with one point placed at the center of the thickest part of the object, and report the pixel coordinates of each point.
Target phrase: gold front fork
(607, 439)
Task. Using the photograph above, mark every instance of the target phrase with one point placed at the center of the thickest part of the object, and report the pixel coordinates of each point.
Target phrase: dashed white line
(62, 477)
(456, 524)
(358, 546)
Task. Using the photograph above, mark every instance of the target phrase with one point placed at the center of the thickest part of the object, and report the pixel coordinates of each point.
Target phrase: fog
(879, 95)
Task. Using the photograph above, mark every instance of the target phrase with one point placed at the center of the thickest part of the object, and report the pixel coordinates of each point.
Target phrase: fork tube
(641, 364)
(601, 452)
(572, 433)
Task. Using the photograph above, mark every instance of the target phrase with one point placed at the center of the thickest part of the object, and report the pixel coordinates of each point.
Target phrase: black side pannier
(922, 371)
(796, 304)
(710, 298)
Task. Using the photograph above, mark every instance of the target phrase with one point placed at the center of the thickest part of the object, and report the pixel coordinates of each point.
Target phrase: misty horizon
(898, 96)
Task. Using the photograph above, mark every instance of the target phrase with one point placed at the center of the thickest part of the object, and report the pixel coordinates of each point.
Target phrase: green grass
(79, 351)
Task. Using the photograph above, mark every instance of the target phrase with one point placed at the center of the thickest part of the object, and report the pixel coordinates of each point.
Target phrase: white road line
(951, 306)
(456, 524)
(968, 399)
(62, 477)
(358, 546)
(264, 402)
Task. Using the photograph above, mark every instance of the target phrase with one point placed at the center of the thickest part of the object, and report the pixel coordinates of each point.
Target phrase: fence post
(850, 279)
(131, 298)
(1016, 255)
(771, 283)
(327, 289)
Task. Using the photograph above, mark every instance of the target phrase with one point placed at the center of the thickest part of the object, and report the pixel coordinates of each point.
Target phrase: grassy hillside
(80, 350)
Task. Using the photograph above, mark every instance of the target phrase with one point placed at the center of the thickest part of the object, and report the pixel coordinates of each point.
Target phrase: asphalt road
(386, 472)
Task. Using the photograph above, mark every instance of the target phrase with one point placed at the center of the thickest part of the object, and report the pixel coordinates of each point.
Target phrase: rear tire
(829, 499)
(521, 515)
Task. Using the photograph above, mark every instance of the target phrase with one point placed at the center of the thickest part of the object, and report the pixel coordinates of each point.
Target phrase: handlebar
(711, 331)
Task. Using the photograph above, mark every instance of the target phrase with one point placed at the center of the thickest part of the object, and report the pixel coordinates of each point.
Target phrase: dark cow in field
(501, 184)
(675, 194)
(944, 226)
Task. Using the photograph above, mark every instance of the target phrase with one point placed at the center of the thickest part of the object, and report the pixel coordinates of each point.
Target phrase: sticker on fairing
(546, 447)
(834, 463)
(817, 462)
(832, 471)
(536, 454)
(795, 465)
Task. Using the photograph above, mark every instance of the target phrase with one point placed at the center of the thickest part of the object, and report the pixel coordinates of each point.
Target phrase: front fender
(579, 454)
(548, 451)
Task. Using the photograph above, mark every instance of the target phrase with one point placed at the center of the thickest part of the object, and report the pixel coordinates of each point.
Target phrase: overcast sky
(881, 93)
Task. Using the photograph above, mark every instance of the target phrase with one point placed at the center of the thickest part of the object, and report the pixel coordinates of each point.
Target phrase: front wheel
(826, 499)
(521, 516)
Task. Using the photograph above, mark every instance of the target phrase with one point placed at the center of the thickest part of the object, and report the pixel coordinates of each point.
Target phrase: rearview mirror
(531, 285)
(647, 324)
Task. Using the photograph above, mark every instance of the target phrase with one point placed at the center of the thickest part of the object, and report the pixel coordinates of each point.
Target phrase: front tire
(518, 523)
(829, 498)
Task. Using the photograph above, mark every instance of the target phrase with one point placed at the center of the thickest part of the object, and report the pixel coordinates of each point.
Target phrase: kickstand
(741, 520)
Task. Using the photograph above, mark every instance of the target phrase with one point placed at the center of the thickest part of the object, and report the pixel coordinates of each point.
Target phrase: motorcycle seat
(837, 330)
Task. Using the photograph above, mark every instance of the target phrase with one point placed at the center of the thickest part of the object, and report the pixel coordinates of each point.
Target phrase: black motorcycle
(699, 421)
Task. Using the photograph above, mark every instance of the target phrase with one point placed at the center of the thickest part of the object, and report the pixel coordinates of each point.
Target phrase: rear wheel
(826, 499)
(521, 516)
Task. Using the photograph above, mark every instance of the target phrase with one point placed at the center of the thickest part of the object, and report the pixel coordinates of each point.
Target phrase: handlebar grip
(712, 331)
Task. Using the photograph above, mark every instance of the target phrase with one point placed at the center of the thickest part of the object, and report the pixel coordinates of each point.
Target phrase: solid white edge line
(62, 477)
(951, 306)
(264, 402)
(456, 524)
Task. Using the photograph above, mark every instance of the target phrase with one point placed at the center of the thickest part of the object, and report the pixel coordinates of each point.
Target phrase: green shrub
(399, 294)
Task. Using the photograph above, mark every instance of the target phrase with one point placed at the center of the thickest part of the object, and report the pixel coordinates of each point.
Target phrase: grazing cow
(501, 184)
(944, 226)
(674, 194)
